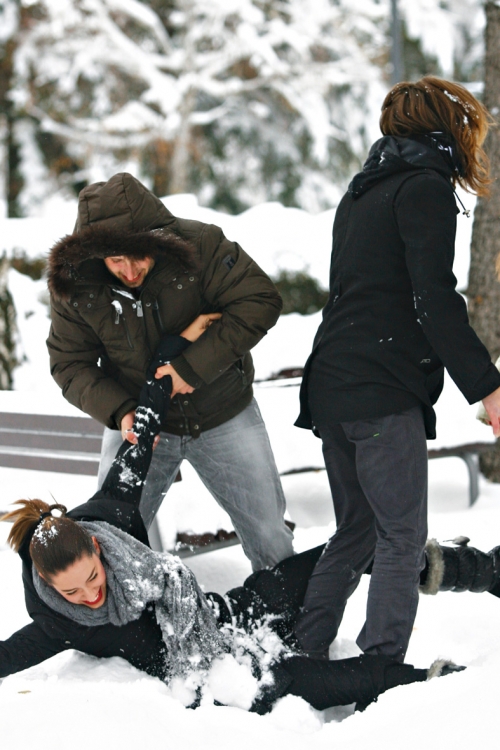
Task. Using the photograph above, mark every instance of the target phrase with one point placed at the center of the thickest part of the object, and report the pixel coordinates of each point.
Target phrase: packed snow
(52, 703)
(73, 698)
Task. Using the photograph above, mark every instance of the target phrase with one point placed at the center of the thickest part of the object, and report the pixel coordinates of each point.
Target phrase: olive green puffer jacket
(103, 334)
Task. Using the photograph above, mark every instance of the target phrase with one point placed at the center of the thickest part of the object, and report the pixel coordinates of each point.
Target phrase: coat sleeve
(27, 647)
(426, 215)
(233, 284)
(74, 351)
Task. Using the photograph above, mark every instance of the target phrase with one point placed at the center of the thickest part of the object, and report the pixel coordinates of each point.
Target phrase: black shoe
(450, 668)
(442, 667)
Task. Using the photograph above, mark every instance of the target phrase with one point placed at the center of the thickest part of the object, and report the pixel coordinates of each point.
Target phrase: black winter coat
(140, 642)
(394, 319)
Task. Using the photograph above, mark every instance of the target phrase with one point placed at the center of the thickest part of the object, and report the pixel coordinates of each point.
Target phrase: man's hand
(178, 384)
(492, 405)
(127, 431)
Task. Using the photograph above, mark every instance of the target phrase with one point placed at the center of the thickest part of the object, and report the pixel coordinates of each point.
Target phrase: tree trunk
(4, 166)
(179, 180)
(8, 359)
(181, 157)
(484, 288)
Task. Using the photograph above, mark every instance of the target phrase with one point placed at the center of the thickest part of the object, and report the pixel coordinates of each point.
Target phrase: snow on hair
(55, 541)
(433, 104)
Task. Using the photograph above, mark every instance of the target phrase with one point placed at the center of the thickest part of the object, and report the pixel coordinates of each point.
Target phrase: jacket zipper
(127, 333)
(239, 366)
(156, 313)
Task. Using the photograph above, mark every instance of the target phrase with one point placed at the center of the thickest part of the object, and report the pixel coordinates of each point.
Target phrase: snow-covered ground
(74, 699)
(57, 704)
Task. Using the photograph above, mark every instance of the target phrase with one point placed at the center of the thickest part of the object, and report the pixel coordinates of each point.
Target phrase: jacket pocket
(109, 323)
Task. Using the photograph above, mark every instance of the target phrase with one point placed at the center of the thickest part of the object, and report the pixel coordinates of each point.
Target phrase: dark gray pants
(377, 469)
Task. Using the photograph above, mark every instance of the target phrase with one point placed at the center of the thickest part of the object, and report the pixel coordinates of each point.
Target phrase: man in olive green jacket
(131, 272)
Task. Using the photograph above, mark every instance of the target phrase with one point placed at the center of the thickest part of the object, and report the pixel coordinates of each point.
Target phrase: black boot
(460, 568)
(443, 667)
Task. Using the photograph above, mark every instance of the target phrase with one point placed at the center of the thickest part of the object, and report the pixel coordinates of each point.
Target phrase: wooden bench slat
(49, 463)
(66, 442)
(50, 423)
(21, 431)
(459, 450)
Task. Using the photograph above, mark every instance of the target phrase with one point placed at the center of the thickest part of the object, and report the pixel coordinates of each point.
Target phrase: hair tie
(44, 515)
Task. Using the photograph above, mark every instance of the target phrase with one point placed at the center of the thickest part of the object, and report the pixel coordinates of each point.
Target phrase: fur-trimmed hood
(117, 217)
(68, 257)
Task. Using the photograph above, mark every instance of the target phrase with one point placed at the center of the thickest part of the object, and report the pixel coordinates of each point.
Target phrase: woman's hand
(492, 405)
(178, 384)
(127, 431)
(199, 326)
(191, 333)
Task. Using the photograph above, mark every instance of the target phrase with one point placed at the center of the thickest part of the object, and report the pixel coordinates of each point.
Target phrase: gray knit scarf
(136, 576)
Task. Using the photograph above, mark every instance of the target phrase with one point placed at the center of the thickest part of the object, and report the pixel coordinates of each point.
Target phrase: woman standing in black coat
(92, 584)
(393, 321)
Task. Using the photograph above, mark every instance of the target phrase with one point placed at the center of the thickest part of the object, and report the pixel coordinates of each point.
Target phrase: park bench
(71, 444)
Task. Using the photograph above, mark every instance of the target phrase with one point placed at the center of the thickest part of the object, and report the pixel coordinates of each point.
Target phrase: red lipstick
(96, 601)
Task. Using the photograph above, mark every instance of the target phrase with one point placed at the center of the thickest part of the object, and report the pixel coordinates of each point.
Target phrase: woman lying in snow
(93, 584)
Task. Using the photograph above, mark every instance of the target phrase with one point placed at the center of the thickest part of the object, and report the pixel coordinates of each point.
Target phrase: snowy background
(237, 101)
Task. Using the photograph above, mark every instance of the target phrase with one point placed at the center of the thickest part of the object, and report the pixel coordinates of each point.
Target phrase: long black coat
(394, 320)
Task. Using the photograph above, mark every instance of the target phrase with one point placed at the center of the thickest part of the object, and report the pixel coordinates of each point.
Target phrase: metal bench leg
(472, 461)
(155, 536)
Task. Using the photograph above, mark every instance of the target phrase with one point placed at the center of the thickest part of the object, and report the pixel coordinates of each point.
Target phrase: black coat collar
(392, 155)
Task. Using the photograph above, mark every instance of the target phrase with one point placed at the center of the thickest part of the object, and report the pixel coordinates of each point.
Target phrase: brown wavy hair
(56, 542)
(433, 104)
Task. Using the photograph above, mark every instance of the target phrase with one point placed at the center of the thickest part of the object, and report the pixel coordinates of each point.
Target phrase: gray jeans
(236, 464)
(377, 469)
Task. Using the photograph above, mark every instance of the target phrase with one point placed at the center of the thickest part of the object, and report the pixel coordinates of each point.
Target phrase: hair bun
(56, 506)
